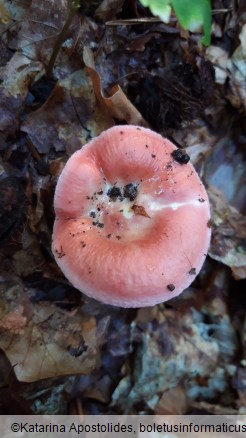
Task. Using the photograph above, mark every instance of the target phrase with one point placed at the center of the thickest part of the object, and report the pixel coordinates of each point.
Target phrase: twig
(61, 37)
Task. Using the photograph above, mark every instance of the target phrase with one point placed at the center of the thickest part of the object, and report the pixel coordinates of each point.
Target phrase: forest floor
(61, 352)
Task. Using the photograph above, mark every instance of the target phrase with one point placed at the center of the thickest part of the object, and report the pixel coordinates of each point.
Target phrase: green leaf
(192, 14)
(159, 8)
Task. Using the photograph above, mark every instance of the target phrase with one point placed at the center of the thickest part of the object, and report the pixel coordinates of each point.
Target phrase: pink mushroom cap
(131, 225)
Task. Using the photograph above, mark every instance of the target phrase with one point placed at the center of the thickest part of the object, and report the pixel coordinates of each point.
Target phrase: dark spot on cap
(146, 145)
(171, 287)
(100, 225)
(108, 236)
(100, 193)
(180, 156)
(114, 193)
(201, 200)
(92, 214)
(131, 191)
(210, 223)
(153, 155)
(60, 253)
(192, 271)
(118, 237)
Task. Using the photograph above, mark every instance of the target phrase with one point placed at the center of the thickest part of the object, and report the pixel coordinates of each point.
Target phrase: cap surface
(131, 224)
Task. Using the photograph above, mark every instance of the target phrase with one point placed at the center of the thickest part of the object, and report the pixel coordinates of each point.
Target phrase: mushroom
(132, 219)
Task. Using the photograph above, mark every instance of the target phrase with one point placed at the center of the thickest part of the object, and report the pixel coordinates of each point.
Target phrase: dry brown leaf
(140, 210)
(12, 205)
(219, 58)
(237, 67)
(213, 409)
(240, 385)
(15, 80)
(42, 340)
(4, 13)
(40, 25)
(69, 118)
(40, 28)
(108, 9)
(11, 16)
(189, 345)
(176, 348)
(229, 234)
(117, 104)
(14, 322)
(139, 42)
(172, 402)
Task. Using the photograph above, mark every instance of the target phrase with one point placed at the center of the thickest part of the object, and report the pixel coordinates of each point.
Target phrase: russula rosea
(132, 217)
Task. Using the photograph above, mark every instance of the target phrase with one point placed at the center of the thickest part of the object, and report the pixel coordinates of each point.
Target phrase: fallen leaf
(42, 340)
(219, 58)
(40, 28)
(229, 234)
(175, 346)
(4, 13)
(69, 118)
(12, 207)
(237, 68)
(15, 80)
(172, 402)
(139, 42)
(140, 210)
(116, 103)
(108, 9)
(213, 409)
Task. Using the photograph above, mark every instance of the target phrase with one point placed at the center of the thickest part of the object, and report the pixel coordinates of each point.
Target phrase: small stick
(61, 37)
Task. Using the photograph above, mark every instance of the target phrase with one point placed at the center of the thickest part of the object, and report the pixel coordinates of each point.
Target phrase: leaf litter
(60, 351)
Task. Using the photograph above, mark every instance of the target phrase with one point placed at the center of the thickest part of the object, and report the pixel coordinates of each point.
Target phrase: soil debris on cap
(140, 210)
(180, 156)
(131, 191)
